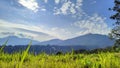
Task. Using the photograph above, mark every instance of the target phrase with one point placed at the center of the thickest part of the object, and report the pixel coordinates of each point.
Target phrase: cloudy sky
(48, 19)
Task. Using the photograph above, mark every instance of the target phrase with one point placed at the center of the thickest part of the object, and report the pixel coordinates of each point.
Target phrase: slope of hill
(89, 40)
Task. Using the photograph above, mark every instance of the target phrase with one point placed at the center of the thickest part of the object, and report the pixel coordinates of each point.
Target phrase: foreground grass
(101, 60)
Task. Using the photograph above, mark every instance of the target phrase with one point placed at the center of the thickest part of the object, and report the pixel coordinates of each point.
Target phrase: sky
(54, 19)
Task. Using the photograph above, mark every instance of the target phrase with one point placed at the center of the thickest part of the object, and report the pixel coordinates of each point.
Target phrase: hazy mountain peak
(89, 40)
(84, 40)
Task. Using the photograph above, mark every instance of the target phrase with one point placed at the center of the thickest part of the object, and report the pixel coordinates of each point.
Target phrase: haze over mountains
(14, 40)
(85, 40)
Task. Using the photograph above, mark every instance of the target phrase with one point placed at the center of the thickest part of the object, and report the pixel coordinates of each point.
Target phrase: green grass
(25, 53)
(102, 60)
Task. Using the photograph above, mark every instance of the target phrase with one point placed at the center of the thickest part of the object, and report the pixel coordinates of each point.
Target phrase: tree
(115, 33)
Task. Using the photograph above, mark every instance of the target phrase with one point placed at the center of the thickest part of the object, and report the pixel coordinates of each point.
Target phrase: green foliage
(115, 33)
(24, 56)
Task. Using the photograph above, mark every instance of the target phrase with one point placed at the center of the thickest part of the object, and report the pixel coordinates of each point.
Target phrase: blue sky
(49, 19)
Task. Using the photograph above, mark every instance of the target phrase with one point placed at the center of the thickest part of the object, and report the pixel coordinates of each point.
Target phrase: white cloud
(72, 9)
(56, 11)
(45, 1)
(94, 24)
(39, 33)
(61, 33)
(94, 2)
(43, 9)
(68, 7)
(57, 1)
(79, 3)
(65, 7)
(36, 32)
(90, 24)
(30, 4)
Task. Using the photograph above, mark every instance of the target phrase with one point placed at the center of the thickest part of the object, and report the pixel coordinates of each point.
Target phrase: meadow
(68, 60)
(101, 60)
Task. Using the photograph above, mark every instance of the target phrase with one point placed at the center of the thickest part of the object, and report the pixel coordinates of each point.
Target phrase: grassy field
(70, 60)
(101, 60)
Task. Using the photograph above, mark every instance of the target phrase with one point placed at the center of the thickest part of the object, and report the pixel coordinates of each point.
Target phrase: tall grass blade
(25, 54)
(1, 49)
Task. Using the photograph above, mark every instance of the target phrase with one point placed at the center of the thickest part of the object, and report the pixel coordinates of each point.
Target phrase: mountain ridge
(84, 40)
(89, 39)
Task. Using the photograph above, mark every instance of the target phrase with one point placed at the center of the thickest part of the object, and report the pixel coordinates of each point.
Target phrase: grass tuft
(24, 55)
(3, 46)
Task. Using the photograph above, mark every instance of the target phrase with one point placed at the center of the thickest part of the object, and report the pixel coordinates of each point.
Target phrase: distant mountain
(14, 40)
(51, 42)
(89, 40)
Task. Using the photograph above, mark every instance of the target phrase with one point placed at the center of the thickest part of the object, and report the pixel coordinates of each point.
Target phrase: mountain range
(85, 40)
(89, 40)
